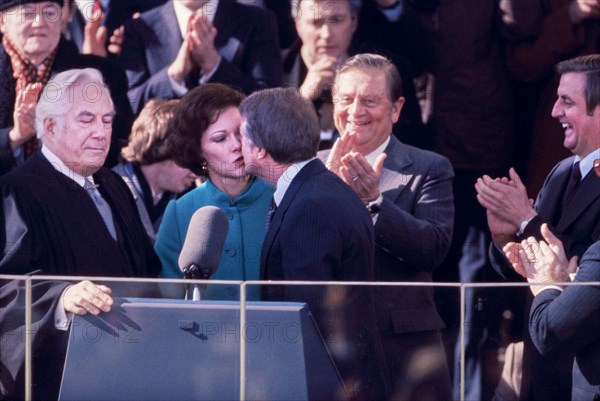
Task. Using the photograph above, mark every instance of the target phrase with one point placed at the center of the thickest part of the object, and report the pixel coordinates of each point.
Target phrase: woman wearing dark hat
(32, 50)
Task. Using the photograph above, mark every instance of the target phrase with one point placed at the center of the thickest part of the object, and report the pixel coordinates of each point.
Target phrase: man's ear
(397, 108)
(2, 23)
(49, 126)
(261, 153)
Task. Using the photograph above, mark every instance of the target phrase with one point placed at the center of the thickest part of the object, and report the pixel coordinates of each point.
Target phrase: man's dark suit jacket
(321, 231)
(413, 233)
(246, 39)
(577, 226)
(571, 320)
(51, 226)
(67, 57)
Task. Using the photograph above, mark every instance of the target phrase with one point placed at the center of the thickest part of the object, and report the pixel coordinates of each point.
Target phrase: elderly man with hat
(32, 50)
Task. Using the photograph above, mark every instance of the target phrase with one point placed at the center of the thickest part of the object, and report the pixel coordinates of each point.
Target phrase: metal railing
(461, 288)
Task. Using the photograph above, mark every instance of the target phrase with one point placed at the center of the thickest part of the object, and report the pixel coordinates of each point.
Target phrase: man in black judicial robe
(52, 226)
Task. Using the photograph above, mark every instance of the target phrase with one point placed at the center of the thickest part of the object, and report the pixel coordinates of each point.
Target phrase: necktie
(102, 206)
(574, 179)
(270, 212)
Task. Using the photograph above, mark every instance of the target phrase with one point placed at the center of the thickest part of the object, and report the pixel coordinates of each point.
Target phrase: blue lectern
(157, 349)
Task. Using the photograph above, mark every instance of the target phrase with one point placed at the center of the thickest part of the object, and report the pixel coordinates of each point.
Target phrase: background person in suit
(181, 44)
(64, 214)
(569, 202)
(409, 194)
(148, 167)
(326, 39)
(318, 230)
(563, 317)
(28, 60)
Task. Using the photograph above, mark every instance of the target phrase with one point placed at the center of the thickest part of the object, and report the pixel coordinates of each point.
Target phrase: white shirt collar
(371, 157)
(183, 13)
(283, 183)
(59, 165)
(587, 163)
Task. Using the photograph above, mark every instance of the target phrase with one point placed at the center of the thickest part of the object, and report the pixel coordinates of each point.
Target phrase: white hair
(58, 94)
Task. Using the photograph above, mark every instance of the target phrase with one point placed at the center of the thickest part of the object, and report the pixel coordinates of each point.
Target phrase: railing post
(242, 342)
(28, 340)
(462, 341)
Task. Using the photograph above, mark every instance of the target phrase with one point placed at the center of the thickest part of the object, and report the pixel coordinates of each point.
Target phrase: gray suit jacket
(571, 320)
(413, 233)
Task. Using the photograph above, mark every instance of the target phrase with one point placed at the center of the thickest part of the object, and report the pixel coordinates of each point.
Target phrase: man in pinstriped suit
(408, 192)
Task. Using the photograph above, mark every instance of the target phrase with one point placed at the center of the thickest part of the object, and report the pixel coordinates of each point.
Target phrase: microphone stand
(194, 272)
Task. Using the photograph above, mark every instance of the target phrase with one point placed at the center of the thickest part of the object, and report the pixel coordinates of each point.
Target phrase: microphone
(203, 245)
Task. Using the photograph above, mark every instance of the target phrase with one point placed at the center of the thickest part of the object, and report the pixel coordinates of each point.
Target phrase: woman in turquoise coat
(205, 138)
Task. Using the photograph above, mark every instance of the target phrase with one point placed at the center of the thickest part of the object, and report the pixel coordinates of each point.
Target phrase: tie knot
(89, 184)
(272, 205)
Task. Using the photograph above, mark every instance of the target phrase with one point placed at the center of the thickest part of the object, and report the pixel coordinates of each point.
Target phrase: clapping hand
(24, 115)
(361, 177)
(202, 35)
(354, 169)
(541, 262)
(506, 199)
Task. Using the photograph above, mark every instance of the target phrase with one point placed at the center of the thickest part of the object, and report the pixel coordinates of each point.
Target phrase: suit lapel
(551, 200)
(311, 169)
(223, 22)
(165, 28)
(294, 70)
(229, 36)
(394, 175)
(268, 241)
(587, 192)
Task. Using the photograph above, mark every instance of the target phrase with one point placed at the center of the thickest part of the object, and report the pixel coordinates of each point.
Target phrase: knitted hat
(8, 4)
